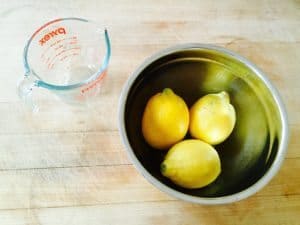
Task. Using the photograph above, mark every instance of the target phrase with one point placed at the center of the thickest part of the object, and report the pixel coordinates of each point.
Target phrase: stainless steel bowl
(252, 154)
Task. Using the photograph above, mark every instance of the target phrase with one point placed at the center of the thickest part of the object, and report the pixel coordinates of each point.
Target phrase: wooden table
(67, 165)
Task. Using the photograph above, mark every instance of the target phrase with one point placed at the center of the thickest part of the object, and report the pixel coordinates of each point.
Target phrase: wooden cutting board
(66, 165)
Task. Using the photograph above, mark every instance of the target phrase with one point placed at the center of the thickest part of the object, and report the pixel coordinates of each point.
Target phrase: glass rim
(40, 83)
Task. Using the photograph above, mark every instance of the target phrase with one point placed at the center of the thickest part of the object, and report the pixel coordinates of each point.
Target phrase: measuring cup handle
(25, 88)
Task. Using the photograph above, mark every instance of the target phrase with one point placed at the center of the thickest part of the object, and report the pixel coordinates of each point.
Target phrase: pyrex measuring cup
(67, 56)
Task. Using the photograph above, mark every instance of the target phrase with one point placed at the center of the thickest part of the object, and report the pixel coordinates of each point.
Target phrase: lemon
(212, 118)
(191, 164)
(165, 119)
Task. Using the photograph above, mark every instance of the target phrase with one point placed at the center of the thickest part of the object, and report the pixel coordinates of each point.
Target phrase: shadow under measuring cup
(67, 56)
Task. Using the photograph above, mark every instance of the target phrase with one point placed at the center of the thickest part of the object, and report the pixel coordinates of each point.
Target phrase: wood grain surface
(66, 165)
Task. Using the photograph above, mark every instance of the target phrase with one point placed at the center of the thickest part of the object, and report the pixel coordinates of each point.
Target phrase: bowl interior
(251, 148)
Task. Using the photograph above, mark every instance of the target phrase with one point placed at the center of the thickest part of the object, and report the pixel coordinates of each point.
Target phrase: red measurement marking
(66, 50)
(54, 59)
(73, 40)
(48, 60)
(58, 47)
(86, 90)
(94, 83)
(67, 56)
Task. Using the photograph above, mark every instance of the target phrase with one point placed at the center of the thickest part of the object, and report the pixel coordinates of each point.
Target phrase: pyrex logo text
(51, 34)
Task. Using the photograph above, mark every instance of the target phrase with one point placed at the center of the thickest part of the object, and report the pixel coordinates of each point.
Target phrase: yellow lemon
(212, 118)
(191, 164)
(165, 119)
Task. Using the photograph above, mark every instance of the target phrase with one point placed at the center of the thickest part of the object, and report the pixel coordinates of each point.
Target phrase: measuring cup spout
(25, 88)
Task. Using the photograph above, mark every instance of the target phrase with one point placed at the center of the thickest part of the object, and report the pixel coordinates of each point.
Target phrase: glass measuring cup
(67, 56)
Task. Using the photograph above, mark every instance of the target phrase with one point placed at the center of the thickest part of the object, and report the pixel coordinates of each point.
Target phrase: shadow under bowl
(254, 151)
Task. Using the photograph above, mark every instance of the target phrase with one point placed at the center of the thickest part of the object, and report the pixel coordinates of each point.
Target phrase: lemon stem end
(163, 168)
(224, 95)
(168, 91)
